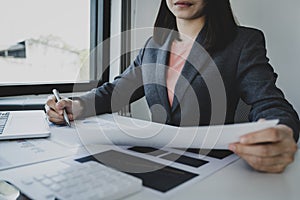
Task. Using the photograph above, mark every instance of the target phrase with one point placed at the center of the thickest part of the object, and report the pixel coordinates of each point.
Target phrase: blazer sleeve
(257, 85)
(111, 97)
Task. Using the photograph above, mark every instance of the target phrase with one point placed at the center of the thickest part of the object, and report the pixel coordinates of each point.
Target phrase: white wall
(280, 22)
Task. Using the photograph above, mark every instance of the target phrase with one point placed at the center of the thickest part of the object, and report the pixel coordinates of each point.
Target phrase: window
(48, 43)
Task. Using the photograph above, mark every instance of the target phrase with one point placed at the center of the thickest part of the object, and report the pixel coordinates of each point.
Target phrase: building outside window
(44, 41)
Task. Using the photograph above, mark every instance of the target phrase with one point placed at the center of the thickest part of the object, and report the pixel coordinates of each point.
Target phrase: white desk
(239, 181)
(236, 181)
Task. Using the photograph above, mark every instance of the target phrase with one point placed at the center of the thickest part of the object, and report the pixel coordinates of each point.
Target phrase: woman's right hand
(55, 109)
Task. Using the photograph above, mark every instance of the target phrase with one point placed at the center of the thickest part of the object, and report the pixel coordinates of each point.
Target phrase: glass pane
(44, 41)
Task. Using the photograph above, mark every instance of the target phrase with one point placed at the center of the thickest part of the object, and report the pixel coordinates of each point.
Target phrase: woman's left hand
(270, 150)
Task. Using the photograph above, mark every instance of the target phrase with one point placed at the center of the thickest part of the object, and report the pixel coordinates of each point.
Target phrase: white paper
(22, 152)
(18, 175)
(133, 132)
(65, 135)
(213, 165)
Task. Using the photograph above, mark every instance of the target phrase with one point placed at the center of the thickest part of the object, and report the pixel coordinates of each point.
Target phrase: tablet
(23, 124)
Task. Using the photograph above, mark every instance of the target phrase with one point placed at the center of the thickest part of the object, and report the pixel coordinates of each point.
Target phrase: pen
(56, 94)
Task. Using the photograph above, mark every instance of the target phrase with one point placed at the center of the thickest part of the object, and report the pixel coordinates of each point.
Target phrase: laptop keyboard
(89, 180)
(3, 119)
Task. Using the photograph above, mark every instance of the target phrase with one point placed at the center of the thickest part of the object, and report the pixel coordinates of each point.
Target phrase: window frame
(100, 19)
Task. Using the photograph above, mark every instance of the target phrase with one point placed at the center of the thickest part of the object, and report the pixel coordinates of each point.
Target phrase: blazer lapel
(194, 65)
(161, 68)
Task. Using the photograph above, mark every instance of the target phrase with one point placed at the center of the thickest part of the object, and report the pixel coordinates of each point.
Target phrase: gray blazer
(208, 89)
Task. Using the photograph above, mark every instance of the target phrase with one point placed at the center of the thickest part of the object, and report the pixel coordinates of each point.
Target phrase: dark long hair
(219, 23)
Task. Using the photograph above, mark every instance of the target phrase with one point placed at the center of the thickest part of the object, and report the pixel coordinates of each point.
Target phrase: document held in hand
(123, 131)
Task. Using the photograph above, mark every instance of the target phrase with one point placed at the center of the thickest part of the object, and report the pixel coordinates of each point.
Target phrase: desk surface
(237, 181)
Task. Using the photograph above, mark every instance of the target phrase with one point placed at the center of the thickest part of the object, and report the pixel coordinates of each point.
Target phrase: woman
(183, 93)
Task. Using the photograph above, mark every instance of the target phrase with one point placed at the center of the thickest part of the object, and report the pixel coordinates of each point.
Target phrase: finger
(263, 136)
(47, 108)
(54, 105)
(51, 102)
(272, 169)
(71, 117)
(58, 106)
(275, 164)
(263, 150)
(53, 114)
(288, 145)
(258, 162)
(56, 120)
(64, 104)
(55, 117)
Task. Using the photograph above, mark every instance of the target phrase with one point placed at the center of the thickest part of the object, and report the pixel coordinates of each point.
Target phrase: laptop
(23, 124)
